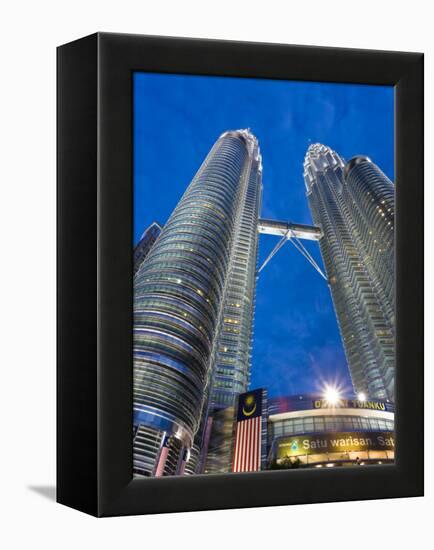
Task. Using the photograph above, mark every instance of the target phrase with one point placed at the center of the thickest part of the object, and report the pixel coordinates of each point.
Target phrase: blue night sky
(177, 118)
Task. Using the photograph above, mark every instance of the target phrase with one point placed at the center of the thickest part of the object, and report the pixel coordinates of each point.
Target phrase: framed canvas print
(240, 274)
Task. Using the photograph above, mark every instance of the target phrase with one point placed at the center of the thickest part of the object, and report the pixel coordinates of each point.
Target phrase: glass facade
(353, 204)
(340, 423)
(193, 297)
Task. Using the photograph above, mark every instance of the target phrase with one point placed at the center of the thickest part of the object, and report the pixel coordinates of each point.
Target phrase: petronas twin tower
(194, 292)
(193, 307)
(353, 203)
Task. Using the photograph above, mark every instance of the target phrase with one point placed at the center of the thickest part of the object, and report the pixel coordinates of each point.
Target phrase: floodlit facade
(304, 431)
(353, 204)
(193, 308)
(307, 431)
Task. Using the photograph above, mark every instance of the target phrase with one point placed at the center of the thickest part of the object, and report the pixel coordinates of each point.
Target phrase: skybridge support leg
(290, 236)
(273, 252)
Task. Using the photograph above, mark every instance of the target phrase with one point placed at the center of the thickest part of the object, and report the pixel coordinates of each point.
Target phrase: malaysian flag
(185, 457)
(247, 452)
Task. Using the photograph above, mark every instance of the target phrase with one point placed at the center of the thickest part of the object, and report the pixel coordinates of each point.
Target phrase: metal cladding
(353, 204)
(180, 292)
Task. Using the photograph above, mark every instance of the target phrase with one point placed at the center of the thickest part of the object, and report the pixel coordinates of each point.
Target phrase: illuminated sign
(350, 404)
(333, 442)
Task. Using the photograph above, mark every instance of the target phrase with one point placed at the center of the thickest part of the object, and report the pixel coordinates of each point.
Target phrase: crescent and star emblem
(250, 400)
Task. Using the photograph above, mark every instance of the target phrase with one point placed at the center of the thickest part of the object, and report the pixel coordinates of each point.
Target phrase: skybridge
(293, 233)
(281, 228)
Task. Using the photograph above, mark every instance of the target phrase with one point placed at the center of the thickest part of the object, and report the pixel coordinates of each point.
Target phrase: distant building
(353, 204)
(145, 244)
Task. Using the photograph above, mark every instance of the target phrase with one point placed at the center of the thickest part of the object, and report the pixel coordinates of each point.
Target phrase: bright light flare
(332, 395)
(361, 396)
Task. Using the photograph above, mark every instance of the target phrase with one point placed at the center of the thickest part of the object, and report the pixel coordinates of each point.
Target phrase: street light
(361, 396)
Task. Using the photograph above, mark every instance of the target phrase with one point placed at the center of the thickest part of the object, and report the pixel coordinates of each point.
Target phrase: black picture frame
(95, 200)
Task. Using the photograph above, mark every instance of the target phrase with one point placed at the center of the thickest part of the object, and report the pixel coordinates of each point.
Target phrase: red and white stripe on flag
(247, 454)
(162, 459)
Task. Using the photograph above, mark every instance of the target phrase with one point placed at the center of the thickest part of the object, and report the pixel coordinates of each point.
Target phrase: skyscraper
(193, 303)
(353, 204)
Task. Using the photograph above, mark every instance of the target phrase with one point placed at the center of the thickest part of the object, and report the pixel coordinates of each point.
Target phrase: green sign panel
(334, 442)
